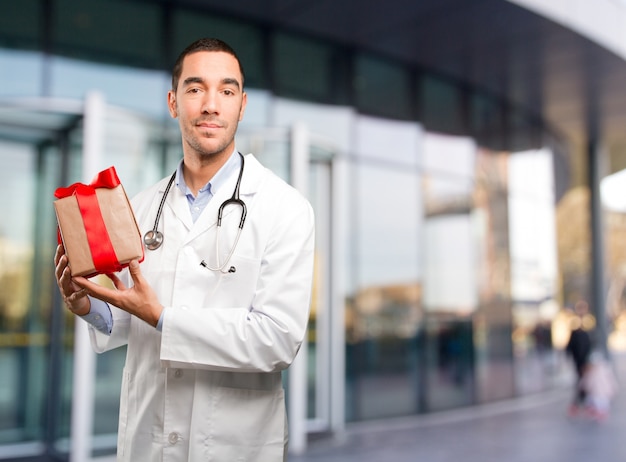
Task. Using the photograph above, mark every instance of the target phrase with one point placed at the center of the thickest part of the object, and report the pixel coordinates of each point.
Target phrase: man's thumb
(133, 267)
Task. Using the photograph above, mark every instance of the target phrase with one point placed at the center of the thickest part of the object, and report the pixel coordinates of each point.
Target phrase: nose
(209, 104)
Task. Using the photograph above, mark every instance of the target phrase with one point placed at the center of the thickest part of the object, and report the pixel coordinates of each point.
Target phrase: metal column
(298, 370)
(597, 303)
(81, 432)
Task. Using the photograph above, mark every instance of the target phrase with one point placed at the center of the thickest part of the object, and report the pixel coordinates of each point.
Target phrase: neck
(198, 171)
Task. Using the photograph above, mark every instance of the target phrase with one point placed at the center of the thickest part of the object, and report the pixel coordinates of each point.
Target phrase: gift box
(97, 225)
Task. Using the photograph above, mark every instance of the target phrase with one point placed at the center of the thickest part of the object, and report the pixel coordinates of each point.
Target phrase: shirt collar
(214, 184)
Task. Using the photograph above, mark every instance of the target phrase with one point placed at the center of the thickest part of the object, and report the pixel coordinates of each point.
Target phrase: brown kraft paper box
(120, 223)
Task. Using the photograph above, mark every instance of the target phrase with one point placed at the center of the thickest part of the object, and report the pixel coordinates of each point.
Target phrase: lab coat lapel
(207, 221)
(177, 203)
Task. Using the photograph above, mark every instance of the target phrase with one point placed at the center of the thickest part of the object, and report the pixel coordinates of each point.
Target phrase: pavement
(533, 428)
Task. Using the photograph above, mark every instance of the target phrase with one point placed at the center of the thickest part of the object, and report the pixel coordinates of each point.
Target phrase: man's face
(209, 103)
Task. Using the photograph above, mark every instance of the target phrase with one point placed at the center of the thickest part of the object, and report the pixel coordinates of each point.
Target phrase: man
(579, 347)
(208, 329)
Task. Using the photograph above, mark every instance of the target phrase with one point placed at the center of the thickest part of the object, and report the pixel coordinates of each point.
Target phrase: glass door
(319, 347)
(34, 400)
(40, 150)
(278, 150)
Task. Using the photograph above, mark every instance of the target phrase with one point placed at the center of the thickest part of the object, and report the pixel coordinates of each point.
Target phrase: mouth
(208, 124)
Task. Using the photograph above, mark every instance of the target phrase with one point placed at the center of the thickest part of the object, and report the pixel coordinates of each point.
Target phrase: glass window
(334, 124)
(388, 140)
(28, 65)
(302, 68)
(534, 281)
(451, 261)
(441, 106)
(493, 320)
(384, 313)
(486, 121)
(25, 272)
(383, 88)
(449, 155)
(20, 24)
(108, 30)
(246, 40)
(131, 88)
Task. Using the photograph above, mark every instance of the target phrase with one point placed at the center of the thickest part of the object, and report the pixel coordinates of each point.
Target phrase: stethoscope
(153, 239)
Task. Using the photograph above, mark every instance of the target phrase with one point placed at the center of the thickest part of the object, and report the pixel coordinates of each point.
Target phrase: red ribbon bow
(105, 179)
(102, 251)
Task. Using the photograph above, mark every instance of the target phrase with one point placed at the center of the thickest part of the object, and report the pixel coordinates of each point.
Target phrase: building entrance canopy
(528, 61)
(35, 121)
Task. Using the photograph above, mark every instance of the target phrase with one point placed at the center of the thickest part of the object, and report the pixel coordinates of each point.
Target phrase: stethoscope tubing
(154, 238)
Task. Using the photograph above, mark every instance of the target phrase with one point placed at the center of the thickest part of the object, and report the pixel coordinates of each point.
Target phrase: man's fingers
(117, 282)
(96, 290)
(58, 254)
(135, 272)
(70, 299)
(64, 277)
(133, 267)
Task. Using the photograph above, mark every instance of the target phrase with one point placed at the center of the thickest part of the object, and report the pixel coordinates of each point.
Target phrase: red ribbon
(102, 252)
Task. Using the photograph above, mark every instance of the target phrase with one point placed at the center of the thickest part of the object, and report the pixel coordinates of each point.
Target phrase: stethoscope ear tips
(232, 269)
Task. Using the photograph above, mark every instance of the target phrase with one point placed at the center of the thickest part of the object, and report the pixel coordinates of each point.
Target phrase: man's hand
(74, 296)
(139, 300)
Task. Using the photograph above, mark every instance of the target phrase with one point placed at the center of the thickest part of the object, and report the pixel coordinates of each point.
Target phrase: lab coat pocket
(246, 425)
(240, 283)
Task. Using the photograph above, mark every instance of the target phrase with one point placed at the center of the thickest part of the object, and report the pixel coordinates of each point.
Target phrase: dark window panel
(382, 88)
(441, 106)
(246, 40)
(20, 24)
(112, 31)
(302, 68)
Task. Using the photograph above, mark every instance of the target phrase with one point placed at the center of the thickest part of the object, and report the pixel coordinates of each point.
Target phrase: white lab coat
(208, 387)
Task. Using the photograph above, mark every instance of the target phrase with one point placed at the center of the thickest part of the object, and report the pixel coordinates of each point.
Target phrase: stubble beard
(195, 142)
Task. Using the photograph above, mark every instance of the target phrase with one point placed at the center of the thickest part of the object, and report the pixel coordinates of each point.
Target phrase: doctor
(206, 345)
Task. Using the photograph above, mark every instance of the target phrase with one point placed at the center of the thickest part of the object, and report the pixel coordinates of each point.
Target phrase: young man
(208, 329)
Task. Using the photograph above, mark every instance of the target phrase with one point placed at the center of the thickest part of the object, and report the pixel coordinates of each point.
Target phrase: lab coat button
(178, 373)
(173, 438)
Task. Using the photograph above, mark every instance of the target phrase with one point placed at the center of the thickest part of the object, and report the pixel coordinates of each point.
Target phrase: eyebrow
(225, 81)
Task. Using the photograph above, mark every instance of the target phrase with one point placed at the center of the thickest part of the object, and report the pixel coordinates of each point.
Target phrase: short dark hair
(203, 44)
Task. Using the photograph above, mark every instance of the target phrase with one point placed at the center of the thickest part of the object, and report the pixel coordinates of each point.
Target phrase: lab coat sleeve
(266, 335)
(101, 342)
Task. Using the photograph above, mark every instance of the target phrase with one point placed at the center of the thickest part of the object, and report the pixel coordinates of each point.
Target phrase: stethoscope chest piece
(153, 239)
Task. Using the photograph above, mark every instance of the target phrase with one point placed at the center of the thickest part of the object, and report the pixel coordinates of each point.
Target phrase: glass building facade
(438, 282)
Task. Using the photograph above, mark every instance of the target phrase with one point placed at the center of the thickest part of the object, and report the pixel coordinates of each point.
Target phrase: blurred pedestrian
(579, 348)
(599, 386)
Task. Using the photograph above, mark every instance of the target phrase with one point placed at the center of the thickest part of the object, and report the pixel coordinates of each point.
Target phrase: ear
(171, 104)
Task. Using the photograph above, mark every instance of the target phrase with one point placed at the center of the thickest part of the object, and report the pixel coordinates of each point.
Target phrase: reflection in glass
(28, 65)
(450, 295)
(26, 249)
(384, 313)
(534, 281)
(492, 320)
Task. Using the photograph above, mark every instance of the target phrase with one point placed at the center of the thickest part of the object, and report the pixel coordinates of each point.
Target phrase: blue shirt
(100, 315)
